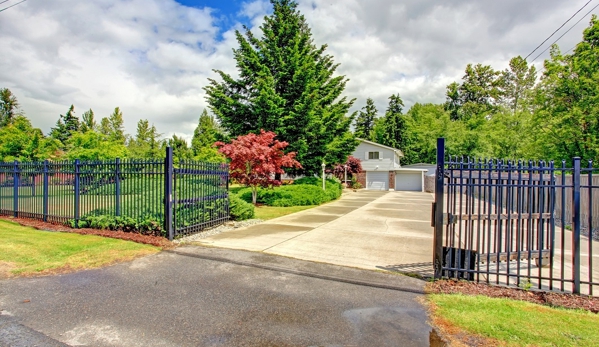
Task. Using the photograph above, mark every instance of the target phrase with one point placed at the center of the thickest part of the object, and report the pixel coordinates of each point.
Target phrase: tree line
(287, 85)
(87, 139)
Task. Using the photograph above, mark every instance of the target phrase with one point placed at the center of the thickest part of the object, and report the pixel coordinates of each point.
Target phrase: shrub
(303, 192)
(240, 209)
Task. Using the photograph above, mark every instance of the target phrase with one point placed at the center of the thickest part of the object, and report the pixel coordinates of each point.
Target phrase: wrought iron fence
(517, 223)
(69, 192)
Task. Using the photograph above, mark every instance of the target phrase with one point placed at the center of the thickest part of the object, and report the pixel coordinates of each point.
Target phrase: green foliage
(240, 209)
(66, 126)
(204, 136)
(181, 152)
(364, 122)
(94, 146)
(566, 99)
(20, 141)
(88, 122)
(146, 143)
(9, 107)
(303, 192)
(394, 131)
(146, 226)
(286, 85)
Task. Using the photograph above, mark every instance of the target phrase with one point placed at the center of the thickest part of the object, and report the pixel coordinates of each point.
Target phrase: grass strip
(27, 251)
(270, 212)
(515, 323)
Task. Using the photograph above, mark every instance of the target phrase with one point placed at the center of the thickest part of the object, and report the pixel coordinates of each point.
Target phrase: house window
(373, 155)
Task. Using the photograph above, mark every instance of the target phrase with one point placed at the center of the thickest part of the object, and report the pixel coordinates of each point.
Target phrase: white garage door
(408, 181)
(377, 180)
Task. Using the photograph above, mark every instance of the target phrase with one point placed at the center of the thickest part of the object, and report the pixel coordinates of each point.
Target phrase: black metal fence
(517, 223)
(70, 192)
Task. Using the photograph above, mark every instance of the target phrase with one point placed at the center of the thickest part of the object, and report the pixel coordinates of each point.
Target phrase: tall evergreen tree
(9, 107)
(395, 124)
(88, 122)
(66, 126)
(146, 142)
(204, 136)
(286, 85)
(364, 123)
(117, 129)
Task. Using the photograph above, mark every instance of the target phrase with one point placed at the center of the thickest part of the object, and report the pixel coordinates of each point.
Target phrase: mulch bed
(145, 239)
(543, 298)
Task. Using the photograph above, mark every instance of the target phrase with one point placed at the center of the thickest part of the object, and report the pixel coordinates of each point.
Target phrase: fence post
(117, 184)
(576, 226)
(15, 182)
(438, 206)
(168, 193)
(77, 195)
(45, 198)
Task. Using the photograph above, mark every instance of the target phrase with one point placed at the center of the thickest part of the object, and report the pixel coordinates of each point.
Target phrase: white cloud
(153, 57)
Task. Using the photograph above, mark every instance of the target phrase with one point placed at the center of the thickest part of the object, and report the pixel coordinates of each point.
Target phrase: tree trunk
(278, 177)
(254, 195)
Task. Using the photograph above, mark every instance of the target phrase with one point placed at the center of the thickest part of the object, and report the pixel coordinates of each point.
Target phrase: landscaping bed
(115, 234)
(543, 298)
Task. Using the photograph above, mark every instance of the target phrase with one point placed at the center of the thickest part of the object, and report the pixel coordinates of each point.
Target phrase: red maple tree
(256, 158)
(353, 167)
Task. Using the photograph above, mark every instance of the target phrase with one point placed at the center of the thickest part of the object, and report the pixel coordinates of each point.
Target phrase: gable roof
(397, 151)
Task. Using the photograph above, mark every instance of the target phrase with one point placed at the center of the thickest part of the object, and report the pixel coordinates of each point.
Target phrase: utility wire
(561, 26)
(583, 17)
(1, 2)
(6, 8)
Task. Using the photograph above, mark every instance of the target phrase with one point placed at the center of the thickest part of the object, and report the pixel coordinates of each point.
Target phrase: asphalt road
(215, 297)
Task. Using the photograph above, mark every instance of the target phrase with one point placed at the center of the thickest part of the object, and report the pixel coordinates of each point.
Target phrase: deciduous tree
(9, 107)
(255, 159)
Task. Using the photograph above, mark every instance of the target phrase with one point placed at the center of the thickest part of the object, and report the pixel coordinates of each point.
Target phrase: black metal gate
(515, 223)
(196, 195)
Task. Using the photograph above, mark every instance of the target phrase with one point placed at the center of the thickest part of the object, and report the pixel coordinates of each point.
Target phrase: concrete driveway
(364, 229)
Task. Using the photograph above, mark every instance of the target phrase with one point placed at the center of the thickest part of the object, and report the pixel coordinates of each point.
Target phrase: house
(382, 170)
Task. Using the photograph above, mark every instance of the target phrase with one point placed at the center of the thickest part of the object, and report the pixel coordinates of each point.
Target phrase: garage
(408, 180)
(377, 180)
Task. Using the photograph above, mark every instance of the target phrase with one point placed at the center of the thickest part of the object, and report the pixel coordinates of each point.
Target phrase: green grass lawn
(270, 212)
(26, 251)
(516, 323)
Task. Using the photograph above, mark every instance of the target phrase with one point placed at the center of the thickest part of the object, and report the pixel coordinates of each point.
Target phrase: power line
(566, 32)
(1, 2)
(561, 26)
(6, 8)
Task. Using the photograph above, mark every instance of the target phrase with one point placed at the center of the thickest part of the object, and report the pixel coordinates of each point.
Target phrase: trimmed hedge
(303, 192)
(240, 209)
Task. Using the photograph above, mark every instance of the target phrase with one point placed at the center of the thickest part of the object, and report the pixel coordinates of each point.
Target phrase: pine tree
(88, 122)
(286, 85)
(66, 126)
(204, 136)
(117, 130)
(395, 124)
(365, 121)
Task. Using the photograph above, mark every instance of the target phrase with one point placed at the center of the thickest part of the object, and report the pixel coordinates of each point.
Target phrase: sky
(152, 58)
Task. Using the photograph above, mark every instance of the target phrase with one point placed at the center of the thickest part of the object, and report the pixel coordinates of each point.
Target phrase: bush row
(303, 192)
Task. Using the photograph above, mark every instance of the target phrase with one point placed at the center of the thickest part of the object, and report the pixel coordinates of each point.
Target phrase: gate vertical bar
(45, 198)
(168, 193)
(77, 195)
(117, 186)
(576, 226)
(438, 237)
(15, 190)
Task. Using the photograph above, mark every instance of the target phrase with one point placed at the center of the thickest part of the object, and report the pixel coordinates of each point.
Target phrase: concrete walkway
(364, 229)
